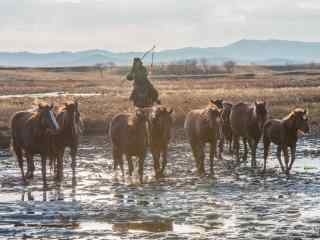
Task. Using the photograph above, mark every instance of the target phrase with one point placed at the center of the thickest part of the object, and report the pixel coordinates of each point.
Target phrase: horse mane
(292, 113)
(209, 107)
(35, 111)
(33, 119)
(289, 119)
(61, 112)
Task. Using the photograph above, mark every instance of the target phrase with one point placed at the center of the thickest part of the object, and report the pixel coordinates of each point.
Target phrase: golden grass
(281, 92)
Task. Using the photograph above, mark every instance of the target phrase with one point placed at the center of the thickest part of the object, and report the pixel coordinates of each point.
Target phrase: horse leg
(202, 170)
(279, 158)
(30, 166)
(73, 153)
(141, 166)
(59, 160)
(213, 148)
(266, 145)
(156, 163)
(230, 145)
(115, 155)
(130, 165)
(293, 155)
(236, 147)
(120, 162)
(195, 155)
(245, 147)
(164, 160)
(221, 146)
(19, 154)
(286, 158)
(44, 169)
(253, 145)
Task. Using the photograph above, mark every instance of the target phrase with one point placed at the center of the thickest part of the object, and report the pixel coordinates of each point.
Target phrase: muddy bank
(235, 204)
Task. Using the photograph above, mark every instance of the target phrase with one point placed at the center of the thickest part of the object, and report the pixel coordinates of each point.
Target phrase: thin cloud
(124, 25)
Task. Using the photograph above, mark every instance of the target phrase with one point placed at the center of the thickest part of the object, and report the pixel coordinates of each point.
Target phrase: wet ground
(235, 204)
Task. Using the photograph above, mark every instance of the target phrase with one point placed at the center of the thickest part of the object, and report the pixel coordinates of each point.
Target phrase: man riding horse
(144, 94)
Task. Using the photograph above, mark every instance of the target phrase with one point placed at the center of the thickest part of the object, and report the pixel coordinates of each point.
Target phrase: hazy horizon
(126, 25)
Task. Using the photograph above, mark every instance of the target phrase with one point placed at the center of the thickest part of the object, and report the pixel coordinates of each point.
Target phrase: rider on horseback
(144, 94)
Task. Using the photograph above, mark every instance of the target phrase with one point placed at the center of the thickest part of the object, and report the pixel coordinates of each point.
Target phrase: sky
(136, 25)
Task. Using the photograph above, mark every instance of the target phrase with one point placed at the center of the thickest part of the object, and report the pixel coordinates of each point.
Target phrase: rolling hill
(271, 52)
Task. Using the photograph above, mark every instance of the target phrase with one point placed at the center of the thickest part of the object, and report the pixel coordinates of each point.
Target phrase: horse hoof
(212, 175)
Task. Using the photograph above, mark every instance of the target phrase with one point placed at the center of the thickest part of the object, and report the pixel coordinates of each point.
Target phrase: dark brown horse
(202, 126)
(160, 121)
(226, 126)
(128, 133)
(284, 133)
(247, 121)
(69, 120)
(30, 136)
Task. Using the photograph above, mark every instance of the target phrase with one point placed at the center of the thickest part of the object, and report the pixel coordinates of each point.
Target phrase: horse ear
(170, 110)
(41, 105)
(211, 101)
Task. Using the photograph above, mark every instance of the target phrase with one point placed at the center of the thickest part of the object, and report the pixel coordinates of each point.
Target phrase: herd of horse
(48, 132)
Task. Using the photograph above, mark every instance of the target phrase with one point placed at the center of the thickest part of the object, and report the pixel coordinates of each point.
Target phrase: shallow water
(235, 204)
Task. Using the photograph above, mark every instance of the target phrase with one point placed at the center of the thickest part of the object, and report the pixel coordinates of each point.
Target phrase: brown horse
(247, 121)
(30, 136)
(284, 133)
(160, 121)
(69, 120)
(128, 133)
(203, 126)
(226, 126)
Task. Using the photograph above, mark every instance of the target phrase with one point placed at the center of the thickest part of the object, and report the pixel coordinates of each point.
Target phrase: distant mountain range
(270, 52)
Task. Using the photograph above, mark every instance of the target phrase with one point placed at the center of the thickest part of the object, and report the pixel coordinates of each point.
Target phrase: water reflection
(237, 204)
(28, 193)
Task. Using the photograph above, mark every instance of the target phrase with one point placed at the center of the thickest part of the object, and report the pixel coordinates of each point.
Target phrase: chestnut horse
(247, 121)
(202, 126)
(160, 121)
(284, 133)
(30, 136)
(129, 137)
(69, 120)
(226, 126)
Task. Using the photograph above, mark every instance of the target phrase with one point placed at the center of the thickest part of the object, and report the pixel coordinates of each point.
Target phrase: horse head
(72, 118)
(46, 117)
(299, 120)
(218, 103)
(161, 119)
(261, 113)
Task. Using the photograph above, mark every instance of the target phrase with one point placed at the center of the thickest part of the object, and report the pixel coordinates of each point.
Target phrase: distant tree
(102, 66)
(110, 65)
(191, 66)
(229, 66)
(204, 64)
